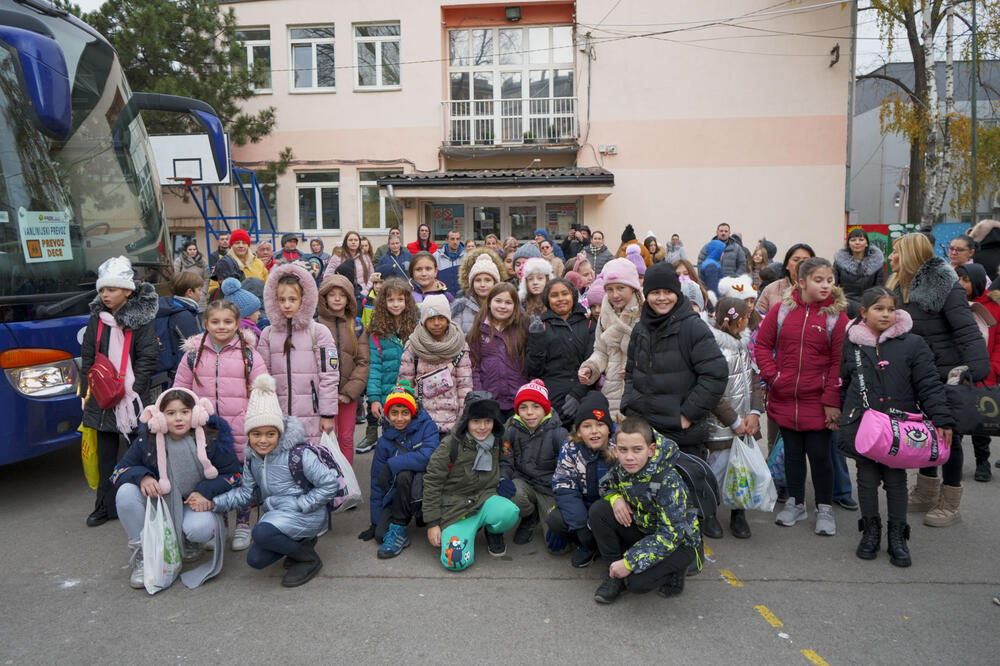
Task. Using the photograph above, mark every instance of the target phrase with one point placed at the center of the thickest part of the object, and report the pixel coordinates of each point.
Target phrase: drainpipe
(396, 208)
(850, 108)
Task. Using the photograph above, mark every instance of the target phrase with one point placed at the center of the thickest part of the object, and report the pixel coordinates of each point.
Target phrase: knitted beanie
(288, 237)
(527, 251)
(634, 254)
(484, 264)
(649, 234)
(263, 408)
(245, 301)
(239, 235)
(435, 305)
(661, 276)
(255, 286)
(628, 234)
(594, 406)
(401, 394)
(534, 391)
(534, 266)
(116, 272)
(692, 291)
(595, 294)
(155, 420)
(621, 271)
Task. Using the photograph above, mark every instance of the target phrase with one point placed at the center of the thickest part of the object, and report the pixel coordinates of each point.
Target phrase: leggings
(268, 545)
(108, 444)
(870, 474)
(814, 444)
(951, 471)
(458, 540)
(198, 526)
(344, 423)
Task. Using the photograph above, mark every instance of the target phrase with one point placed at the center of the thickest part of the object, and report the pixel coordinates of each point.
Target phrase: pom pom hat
(534, 391)
(244, 300)
(402, 394)
(263, 408)
(155, 420)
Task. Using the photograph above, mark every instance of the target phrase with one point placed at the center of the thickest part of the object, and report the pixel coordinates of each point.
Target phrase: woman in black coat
(856, 267)
(559, 341)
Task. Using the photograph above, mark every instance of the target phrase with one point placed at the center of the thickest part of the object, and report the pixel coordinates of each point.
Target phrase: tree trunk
(945, 175)
(932, 143)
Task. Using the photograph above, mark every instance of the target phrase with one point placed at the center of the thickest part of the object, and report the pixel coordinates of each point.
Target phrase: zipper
(798, 374)
(217, 380)
(288, 373)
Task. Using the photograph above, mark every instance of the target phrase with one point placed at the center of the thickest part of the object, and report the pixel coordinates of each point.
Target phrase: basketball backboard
(181, 156)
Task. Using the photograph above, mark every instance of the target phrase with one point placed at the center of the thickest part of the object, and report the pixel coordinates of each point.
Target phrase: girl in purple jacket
(497, 344)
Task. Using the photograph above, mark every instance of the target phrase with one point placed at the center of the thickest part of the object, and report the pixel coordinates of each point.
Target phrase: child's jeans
(408, 500)
(870, 474)
(268, 545)
(199, 526)
(458, 540)
(529, 500)
(344, 423)
(841, 476)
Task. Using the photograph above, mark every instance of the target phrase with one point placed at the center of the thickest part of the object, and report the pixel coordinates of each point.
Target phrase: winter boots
(711, 527)
(899, 533)
(871, 537)
(526, 530)
(135, 579)
(370, 440)
(924, 495)
(946, 512)
(738, 524)
(305, 564)
(871, 540)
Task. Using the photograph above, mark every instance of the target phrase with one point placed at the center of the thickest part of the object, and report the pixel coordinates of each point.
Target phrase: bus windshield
(66, 206)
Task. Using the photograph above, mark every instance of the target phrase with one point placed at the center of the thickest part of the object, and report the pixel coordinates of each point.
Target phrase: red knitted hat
(534, 391)
(239, 235)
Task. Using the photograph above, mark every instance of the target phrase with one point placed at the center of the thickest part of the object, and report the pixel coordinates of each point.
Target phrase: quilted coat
(493, 369)
(611, 340)
(444, 409)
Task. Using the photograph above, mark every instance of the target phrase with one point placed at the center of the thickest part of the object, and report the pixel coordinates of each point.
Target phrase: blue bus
(78, 184)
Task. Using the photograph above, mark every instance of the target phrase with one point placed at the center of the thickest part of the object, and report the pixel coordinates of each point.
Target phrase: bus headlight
(45, 380)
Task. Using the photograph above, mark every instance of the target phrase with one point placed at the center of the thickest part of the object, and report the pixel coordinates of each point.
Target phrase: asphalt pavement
(785, 596)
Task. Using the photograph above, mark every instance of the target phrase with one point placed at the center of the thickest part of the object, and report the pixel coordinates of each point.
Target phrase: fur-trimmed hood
(310, 297)
(872, 262)
(294, 434)
(470, 259)
(932, 283)
(192, 343)
(983, 229)
(860, 334)
(339, 281)
(140, 308)
(834, 303)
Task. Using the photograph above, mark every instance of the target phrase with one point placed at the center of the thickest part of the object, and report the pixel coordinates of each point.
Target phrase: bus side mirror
(43, 77)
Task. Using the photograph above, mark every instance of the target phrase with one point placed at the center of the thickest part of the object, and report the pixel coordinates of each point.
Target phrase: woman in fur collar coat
(856, 267)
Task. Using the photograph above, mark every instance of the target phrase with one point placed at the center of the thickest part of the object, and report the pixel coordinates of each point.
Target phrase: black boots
(305, 564)
(871, 537)
(525, 532)
(738, 524)
(899, 533)
(674, 585)
(609, 590)
(711, 527)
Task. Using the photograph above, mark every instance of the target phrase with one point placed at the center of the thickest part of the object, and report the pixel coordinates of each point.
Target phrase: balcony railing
(505, 122)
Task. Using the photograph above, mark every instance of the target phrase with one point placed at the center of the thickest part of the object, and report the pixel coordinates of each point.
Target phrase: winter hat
(595, 294)
(154, 419)
(239, 235)
(246, 302)
(692, 291)
(976, 275)
(287, 237)
(740, 287)
(263, 408)
(349, 270)
(435, 305)
(628, 234)
(621, 271)
(649, 234)
(769, 247)
(116, 272)
(576, 279)
(481, 405)
(255, 286)
(484, 264)
(534, 391)
(527, 251)
(402, 394)
(533, 266)
(226, 267)
(661, 276)
(580, 260)
(594, 406)
(714, 249)
(634, 254)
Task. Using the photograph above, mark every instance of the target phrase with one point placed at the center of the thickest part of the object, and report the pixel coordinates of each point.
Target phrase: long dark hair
(424, 245)
(229, 306)
(516, 329)
(857, 232)
(788, 256)
(563, 281)
(176, 394)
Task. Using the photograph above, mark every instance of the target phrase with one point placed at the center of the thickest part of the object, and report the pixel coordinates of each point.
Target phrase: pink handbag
(897, 439)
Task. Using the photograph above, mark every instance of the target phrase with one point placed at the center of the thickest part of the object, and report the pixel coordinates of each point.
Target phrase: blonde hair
(914, 250)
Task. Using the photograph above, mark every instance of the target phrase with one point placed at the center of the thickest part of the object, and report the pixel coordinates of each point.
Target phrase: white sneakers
(135, 579)
(826, 524)
(791, 514)
(241, 537)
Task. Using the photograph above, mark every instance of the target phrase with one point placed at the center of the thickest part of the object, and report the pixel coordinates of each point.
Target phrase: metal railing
(502, 122)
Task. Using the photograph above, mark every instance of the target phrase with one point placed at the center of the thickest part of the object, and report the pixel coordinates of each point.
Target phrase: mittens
(506, 488)
(555, 542)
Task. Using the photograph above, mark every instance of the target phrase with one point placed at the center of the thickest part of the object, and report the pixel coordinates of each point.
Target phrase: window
(376, 50)
(257, 46)
(376, 212)
(318, 194)
(312, 57)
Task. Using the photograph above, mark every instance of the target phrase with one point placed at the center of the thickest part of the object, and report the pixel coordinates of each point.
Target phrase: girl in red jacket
(798, 353)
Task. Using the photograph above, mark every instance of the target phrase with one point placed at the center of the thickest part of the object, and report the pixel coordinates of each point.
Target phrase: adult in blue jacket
(542, 234)
(449, 259)
(396, 261)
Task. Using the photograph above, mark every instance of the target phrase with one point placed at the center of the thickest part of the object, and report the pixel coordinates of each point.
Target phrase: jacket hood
(834, 303)
(192, 343)
(417, 423)
(168, 305)
(437, 287)
(140, 308)
(714, 249)
(872, 262)
(727, 342)
(295, 434)
(460, 305)
(543, 232)
(985, 229)
(977, 275)
(345, 285)
(860, 334)
(470, 260)
(322, 246)
(310, 297)
(931, 284)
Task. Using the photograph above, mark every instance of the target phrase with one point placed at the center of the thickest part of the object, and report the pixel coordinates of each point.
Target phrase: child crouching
(293, 515)
(460, 487)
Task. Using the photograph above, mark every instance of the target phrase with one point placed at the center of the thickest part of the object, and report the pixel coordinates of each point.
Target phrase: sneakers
(583, 557)
(738, 524)
(846, 503)
(711, 527)
(135, 579)
(241, 537)
(369, 442)
(526, 530)
(826, 524)
(871, 537)
(395, 540)
(97, 517)
(609, 590)
(495, 544)
(983, 472)
(673, 587)
(791, 514)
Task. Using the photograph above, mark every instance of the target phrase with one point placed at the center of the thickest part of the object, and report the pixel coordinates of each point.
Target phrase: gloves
(569, 407)
(385, 477)
(368, 534)
(506, 488)
(536, 325)
(555, 542)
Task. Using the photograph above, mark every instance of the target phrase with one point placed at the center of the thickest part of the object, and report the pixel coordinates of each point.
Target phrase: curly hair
(516, 328)
(384, 324)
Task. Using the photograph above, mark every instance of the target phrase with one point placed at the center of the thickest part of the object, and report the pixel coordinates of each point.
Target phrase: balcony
(527, 125)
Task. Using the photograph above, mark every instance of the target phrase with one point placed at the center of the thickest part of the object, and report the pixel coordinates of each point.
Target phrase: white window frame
(248, 46)
(312, 41)
(379, 86)
(382, 201)
(317, 188)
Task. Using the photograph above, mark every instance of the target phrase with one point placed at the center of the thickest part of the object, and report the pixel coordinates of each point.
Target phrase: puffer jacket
(942, 317)
(597, 256)
(463, 313)
(493, 369)
(352, 349)
(660, 506)
(576, 482)
(742, 389)
(854, 276)
(362, 266)
(734, 258)
(182, 322)
(136, 314)
(611, 341)
(532, 456)
(899, 373)
(224, 378)
(453, 491)
(409, 449)
(991, 301)
(674, 367)
(393, 265)
(801, 363)
(385, 355)
(140, 460)
(297, 512)
(448, 265)
(444, 409)
(254, 268)
(437, 288)
(307, 379)
(555, 355)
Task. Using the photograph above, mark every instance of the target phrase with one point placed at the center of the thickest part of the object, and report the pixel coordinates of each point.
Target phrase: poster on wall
(447, 217)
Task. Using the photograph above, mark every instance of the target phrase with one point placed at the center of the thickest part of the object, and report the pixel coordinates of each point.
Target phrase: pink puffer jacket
(308, 378)
(444, 409)
(224, 377)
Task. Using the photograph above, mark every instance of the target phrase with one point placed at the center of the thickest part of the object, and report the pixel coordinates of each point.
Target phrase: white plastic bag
(161, 556)
(748, 482)
(353, 488)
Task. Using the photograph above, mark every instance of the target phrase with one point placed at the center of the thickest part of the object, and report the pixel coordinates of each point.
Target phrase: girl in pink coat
(221, 364)
(300, 354)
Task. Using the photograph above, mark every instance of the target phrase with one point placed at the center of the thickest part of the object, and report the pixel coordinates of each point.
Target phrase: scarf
(484, 454)
(126, 411)
(436, 352)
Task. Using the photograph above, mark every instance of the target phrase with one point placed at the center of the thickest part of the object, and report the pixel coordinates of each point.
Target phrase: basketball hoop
(186, 182)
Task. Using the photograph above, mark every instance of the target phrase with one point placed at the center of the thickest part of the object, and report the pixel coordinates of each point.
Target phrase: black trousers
(951, 471)
(613, 539)
(814, 444)
(408, 500)
(981, 448)
(870, 475)
(581, 537)
(108, 446)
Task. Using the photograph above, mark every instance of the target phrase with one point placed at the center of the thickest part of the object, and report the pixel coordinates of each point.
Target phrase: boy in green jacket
(461, 486)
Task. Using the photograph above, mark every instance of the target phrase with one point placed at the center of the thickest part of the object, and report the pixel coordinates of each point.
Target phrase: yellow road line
(708, 551)
(814, 658)
(770, 617)
(731, 578)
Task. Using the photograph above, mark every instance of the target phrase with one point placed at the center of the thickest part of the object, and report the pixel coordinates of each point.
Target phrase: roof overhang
(500, 184)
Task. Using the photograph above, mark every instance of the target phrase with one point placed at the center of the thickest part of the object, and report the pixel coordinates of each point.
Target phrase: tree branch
(892, 79)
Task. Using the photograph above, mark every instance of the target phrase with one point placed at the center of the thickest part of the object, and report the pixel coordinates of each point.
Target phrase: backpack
(295, 468)
(703, 488)
(168, 341)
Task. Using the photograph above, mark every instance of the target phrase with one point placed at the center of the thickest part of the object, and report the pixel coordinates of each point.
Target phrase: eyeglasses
(952, 248)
